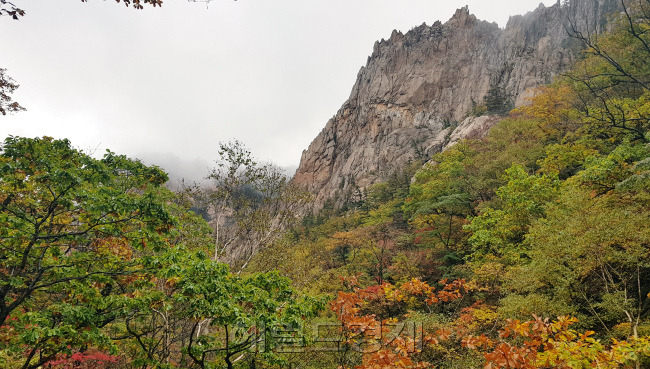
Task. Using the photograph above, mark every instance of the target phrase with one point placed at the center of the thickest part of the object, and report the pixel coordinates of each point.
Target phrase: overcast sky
(167, 84)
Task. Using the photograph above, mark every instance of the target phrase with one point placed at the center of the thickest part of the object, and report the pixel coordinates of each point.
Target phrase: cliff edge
(414, 95)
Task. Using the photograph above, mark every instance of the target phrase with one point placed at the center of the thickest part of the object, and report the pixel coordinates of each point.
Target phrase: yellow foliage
(552, 107)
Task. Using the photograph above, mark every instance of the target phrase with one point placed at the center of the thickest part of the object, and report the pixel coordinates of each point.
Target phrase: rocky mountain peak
(461, 17)
(413, 96)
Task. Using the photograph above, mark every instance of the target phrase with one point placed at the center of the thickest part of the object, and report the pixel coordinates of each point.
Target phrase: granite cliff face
(412, 98)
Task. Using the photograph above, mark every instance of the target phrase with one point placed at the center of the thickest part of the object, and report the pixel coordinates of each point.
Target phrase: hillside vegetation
(545, 220)
(527, 248)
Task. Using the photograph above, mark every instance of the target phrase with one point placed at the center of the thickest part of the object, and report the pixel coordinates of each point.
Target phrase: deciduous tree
(70, 226)
(251, 203)
(613, 81)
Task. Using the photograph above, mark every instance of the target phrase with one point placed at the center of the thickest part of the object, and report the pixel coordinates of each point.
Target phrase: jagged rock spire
(417, 86)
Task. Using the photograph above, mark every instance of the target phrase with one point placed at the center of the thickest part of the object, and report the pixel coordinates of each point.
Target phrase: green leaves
(250, 201)
(70, 227)
(223, 311)
(443, 192)
(590, 253)
(626, 163)
(501, 231)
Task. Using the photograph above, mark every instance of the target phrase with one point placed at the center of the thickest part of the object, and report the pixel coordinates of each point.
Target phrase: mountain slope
(414, 94)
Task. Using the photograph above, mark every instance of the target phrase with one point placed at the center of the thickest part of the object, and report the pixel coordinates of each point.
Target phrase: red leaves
(372, 293)
(82, 360)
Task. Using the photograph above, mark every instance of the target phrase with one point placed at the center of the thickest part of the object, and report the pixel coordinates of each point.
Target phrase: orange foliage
(389, 351)
(539, 343)
(520, 345)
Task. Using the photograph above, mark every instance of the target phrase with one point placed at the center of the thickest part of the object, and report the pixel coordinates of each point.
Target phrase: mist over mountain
(190, 171)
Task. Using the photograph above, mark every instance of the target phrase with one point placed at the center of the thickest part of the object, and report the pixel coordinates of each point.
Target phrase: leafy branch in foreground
(7, 87)
(8, 8)
(12, 10)
(70, 229)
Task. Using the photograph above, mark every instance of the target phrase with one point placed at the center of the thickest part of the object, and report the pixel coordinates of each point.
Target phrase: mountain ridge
(414, 95)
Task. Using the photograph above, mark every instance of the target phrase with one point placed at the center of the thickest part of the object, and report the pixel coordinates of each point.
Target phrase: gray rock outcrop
(413, 96)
